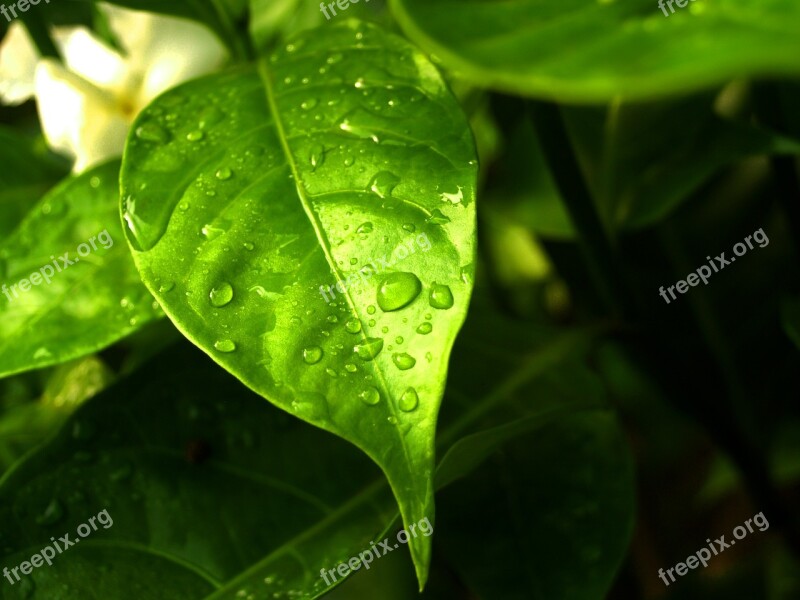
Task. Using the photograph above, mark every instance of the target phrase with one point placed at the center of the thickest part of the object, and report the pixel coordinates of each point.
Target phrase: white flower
(86, 106)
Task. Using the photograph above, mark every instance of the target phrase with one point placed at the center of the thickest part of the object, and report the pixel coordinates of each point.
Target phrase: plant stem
(601, 256)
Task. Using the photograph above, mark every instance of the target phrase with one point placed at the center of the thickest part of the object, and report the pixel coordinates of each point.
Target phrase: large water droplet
(403, 361)
(221, 295)
(225, 346)
(312, 355)
(369, 348)
(425, 328)
(441, 296)
(398, 290)
(409, 400)
(383, 184)
(353, 325)
(365, 228)
(370, 396)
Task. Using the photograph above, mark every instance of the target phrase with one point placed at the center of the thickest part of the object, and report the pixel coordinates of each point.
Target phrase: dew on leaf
(225, 346)
(369, 348)
(425, 328)
(441, 297)
(150, 132)
(312, 355)
(195, 136)
(224, 174)
(438, 217)
(409, 400)
(383, 184)
(371, 309)
(370, 396)
(403, 361)
(221, 294)
(365, 228)
(353, 325)
(398, 290)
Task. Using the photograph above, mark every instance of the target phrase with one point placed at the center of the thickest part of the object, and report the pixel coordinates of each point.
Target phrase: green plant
(256, 325)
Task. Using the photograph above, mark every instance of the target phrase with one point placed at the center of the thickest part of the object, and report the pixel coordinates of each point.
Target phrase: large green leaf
(87, 305)
(248, 194)
(579, 51)
(214, 484)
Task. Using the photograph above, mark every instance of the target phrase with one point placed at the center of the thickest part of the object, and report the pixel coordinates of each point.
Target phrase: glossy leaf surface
(578, 51)
(89, 294)
(310, 224)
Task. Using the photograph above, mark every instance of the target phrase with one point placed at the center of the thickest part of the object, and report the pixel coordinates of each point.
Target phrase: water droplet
(369, 348)
(441, 296)
(425, 328)
(371, 309)
(409, 400)
(398, 340)
(438, 217)
(309, 104)
(195, 136)
(248, 245)
(410, 227)
(52, 513)
(312, 355)
(398, 290)
(403, 361)
(42, 354)
(372, 322)
(350, 368)
(224, 174)
(383, 184)
(150, 132)
(370, 396)
(331, 372)
(317, 155)
(166, 287)
(365, 228)
(221, 294)
(225, 346)
(334, 58)
(349, 161)
(353, 325)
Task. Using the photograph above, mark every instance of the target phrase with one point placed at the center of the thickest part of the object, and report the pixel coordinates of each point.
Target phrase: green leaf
(578, 51)
(24, 178)
(86, 305)
(218, 469)
(643, 167)
(558, 506)
(267, 186)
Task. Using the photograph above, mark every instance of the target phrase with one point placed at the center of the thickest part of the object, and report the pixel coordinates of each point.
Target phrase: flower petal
(78, 119)
(18, 57)
(167, 51)
(90, 58)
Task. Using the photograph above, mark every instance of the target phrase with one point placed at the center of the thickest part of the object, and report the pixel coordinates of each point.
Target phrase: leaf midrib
(321, 237)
